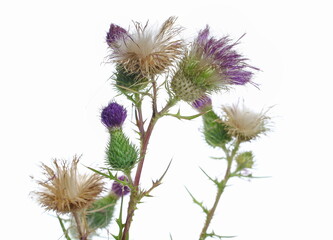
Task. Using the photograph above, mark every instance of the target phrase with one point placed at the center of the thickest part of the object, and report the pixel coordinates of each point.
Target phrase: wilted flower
(113, 115)
(145, 52)
(65, 190)
(244, 123)
(202, 104)
(210, 65)
(119, 189)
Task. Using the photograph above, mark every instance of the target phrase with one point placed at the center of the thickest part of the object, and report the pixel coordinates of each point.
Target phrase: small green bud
(126, 81)
(244, 160)
(120, 153)
(101, 212)
(215, 132)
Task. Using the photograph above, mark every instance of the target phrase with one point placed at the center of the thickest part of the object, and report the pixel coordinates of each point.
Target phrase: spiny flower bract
(147, 52)
(65, 190)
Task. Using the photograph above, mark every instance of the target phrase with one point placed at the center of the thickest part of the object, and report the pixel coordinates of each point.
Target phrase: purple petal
(113, 115)
(115, 32)
(119, 189)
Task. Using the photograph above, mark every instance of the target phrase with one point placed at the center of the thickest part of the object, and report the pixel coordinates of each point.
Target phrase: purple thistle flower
(202, 104)
(115, 33)
(119, 189)
(231, 65)
(113, 115)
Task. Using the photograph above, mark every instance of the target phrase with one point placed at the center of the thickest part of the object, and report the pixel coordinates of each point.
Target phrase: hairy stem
(221, 187)
(82, 233)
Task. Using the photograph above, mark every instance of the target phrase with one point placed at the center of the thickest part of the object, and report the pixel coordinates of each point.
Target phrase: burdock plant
(147, 63)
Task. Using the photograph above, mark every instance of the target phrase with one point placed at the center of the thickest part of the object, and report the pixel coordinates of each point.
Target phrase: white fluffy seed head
(149, 52)
(244, 123)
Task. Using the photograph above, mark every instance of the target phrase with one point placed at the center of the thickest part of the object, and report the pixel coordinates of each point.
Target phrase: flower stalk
(145, 137)
(220, 188)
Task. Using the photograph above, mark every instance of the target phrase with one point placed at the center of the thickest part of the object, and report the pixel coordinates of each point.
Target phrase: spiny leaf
(212, 234)
(99, 172)
(64, 230)
(179, 116)
(200, 204)
(155, 184)
(213, 180)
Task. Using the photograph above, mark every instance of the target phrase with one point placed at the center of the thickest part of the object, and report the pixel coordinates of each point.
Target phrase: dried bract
(65, 190)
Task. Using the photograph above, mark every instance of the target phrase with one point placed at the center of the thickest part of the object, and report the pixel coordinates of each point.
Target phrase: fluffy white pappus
(244, 123)
(149, 52)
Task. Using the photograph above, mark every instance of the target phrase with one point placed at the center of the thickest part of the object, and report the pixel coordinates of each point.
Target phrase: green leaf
(179, 116)
(215, 181)
(200, 204)
(65, 231)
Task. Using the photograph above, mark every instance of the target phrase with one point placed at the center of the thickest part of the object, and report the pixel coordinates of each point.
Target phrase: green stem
(220, 190)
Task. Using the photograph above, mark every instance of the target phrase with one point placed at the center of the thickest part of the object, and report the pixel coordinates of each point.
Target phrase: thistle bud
(119, 189)
(101, 212)
(113, 115)
(128, 82)
(120, 153)
(215, 132)
(244, 160)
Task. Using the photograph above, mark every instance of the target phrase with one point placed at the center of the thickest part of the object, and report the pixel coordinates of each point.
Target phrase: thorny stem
(221, 188)
(144, 137)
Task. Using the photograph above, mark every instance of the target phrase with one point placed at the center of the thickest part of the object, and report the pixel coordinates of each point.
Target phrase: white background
(53, 84)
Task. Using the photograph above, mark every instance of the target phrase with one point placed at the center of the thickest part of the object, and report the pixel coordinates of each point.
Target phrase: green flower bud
(126, 81)
(101, 212)
(120, 153)
(193, 80)
(244, 160)
(215, 132)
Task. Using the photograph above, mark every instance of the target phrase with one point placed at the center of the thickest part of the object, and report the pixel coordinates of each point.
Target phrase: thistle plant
(148, 62)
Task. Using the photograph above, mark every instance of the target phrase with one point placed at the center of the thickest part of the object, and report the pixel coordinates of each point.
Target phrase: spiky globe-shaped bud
(244, 160)
(113, 115)
(203, 104)
(120, 189)
(101, 212)
(215, 132)
(121, 154)
(127, 82)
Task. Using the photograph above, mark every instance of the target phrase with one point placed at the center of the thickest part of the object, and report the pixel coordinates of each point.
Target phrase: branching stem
(145, 137)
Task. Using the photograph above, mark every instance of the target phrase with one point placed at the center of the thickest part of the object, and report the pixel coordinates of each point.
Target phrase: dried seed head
(65, 190)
